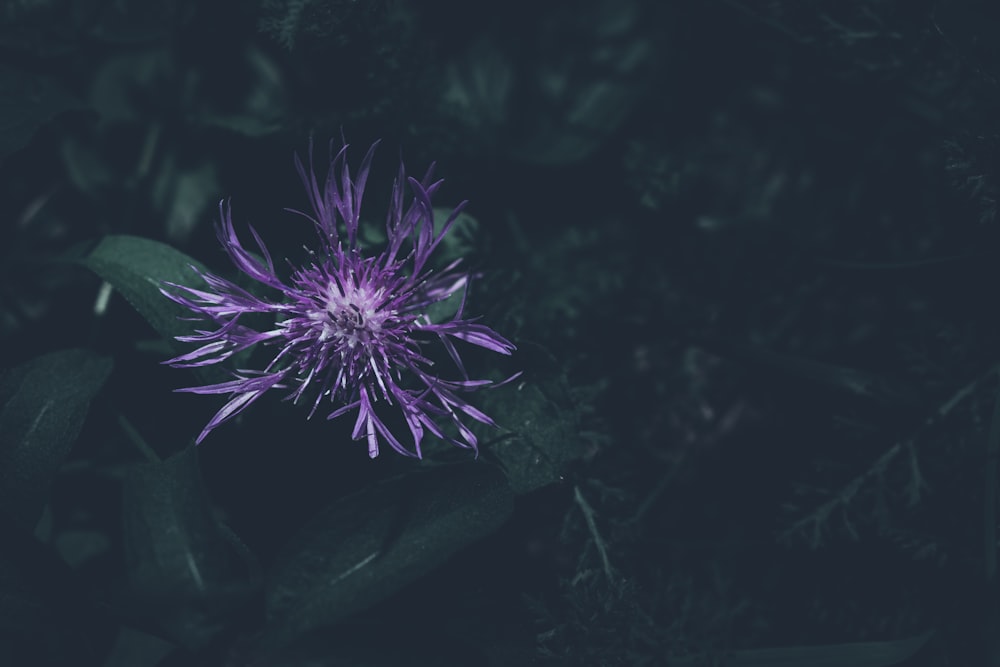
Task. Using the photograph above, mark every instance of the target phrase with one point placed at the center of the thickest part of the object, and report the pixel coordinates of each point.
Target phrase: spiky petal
(349, 328)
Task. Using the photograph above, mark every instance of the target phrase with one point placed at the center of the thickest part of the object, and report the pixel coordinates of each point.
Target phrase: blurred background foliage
(747, 252)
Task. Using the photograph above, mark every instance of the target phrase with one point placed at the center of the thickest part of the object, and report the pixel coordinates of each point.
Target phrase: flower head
(348, 327)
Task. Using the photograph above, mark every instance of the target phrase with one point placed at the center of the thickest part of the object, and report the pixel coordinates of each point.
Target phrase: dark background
(748, 252)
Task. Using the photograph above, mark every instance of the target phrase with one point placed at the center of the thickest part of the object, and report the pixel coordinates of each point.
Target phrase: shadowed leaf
(542, 418)
(365, 547)
(44, 403)
(544, 437)
(137, 267)
(185, 578)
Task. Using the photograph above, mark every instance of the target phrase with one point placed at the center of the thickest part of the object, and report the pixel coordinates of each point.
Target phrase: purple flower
(347, 326)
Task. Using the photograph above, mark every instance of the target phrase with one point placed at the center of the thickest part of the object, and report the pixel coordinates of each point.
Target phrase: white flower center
(354, 317)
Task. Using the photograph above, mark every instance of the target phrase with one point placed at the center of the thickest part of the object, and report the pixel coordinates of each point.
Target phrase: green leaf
(187, 576)
(542, 419)
(28, 101)
(365, 547)
(44, 403)
(137, 268)
(544, 436)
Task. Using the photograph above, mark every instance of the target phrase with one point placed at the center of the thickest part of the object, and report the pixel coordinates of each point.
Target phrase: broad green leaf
(541, 419)
(44, 401)
(544, 438)
(365, 547)
(28, 101)
(857, 654)
(137, 268)
(186, 580)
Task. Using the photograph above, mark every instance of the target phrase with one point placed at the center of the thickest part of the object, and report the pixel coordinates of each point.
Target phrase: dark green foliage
(603, 625)
(43, 611)
(293, 22)
(557, 96)
(51, 28)
(748, 254)
(974, 166)
(188, 577)
(545, 423)
(399, 530)
(139, 269)
(349, 62)
(43, 404)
